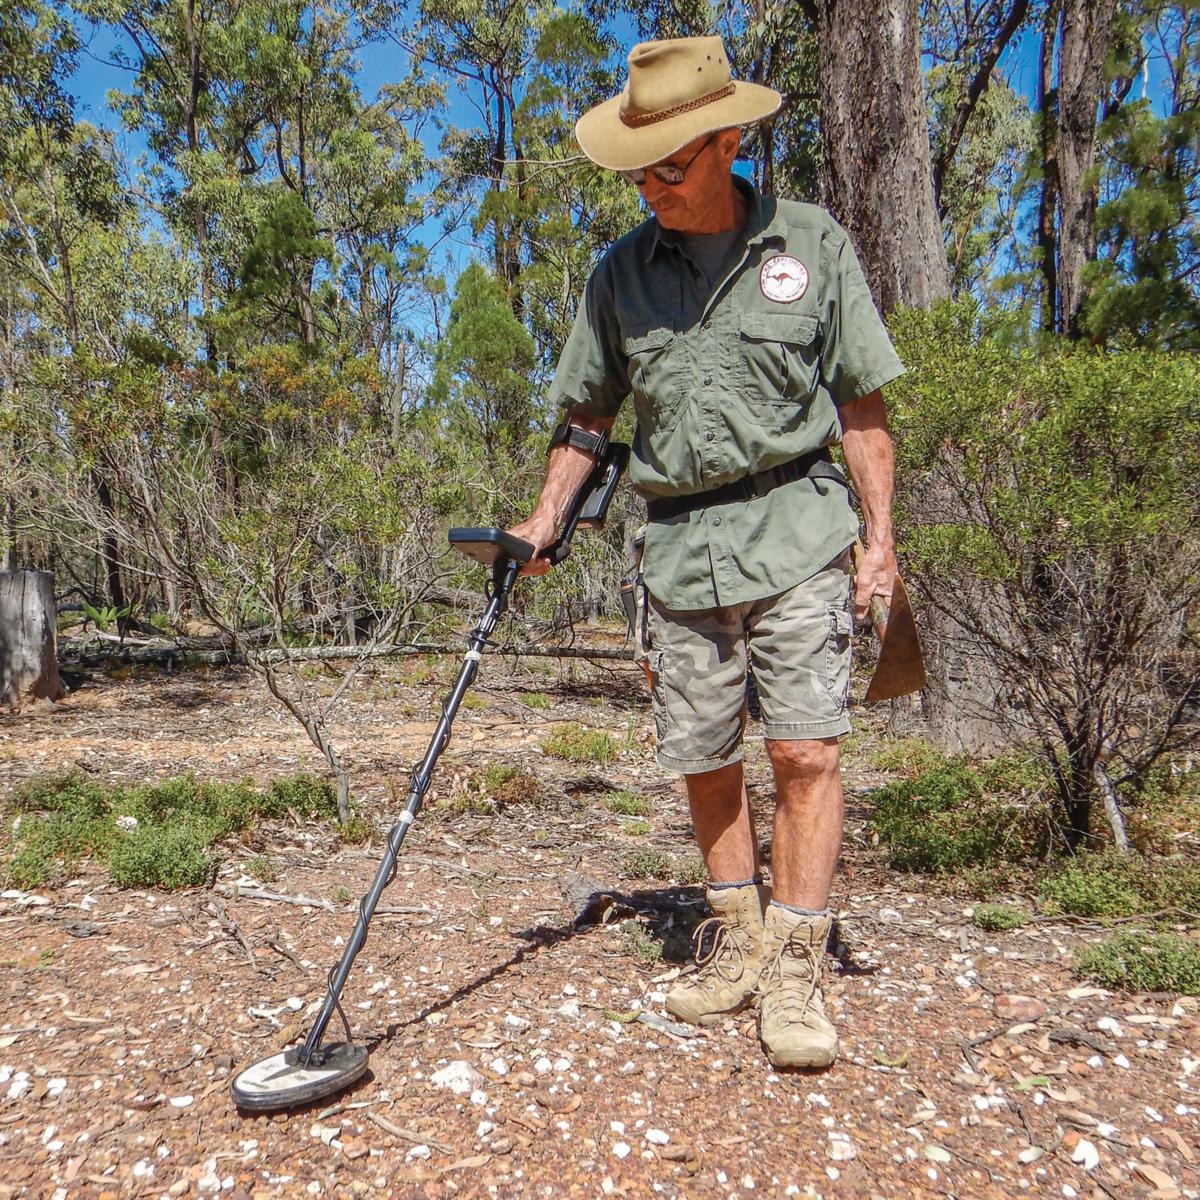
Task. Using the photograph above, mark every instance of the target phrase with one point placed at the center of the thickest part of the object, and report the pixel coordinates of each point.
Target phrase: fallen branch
(409, 1135)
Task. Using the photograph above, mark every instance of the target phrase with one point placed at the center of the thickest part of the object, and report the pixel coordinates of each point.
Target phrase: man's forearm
(566, 472)
(867, 444)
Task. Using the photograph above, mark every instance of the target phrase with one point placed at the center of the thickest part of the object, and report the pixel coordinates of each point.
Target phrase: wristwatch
(580, 438)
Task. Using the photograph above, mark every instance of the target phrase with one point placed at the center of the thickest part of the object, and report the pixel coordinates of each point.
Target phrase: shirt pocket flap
(779, 327)
(656, 339)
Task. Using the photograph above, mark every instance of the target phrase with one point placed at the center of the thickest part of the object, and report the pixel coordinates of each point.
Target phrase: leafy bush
(910, 757)
(357, 831)
(942, 821)
(580, 744)
(166, 856)
(691, 870)
(639, 943)
(507, 784)
(626, 804)
(1143, 962)
(646, 864)
(263, 869)
(1114, 885)
(155, 835)
(996, 918)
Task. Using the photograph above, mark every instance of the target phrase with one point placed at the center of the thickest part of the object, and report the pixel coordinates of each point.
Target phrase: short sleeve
(857, 356)
(592, 377)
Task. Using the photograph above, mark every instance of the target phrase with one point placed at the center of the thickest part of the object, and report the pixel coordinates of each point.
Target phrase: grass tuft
(627, 804)
(646, 864)
(578, 743)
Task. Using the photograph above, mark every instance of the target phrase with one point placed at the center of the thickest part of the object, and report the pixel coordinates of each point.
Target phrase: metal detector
(315, 1070)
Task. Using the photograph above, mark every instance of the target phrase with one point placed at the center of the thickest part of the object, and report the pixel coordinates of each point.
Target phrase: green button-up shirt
(727, 382)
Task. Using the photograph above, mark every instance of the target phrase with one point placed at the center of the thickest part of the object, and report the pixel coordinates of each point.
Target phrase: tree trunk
(877, 176)
(1048, 199)
(28, 662)
(1085, 29)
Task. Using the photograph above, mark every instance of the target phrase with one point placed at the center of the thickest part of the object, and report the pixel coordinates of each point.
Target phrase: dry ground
(124, 1014)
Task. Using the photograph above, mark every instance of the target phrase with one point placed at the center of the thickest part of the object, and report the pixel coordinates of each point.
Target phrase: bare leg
(722, 823)
(808, 820)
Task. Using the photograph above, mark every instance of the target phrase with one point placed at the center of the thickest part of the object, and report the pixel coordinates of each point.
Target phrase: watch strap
(582, 439)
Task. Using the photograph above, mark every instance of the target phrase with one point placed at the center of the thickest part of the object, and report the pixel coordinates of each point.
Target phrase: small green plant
(910, 757)
(996, 918)
(942, 821)
(507, 784)
(340, 895)
(474, 702)
(1110, 885)
(637, 828)
(636, 941)
(626, 804)
(537, 699)
(1137, 961)
(691, 870)
(304, 795)
(105, 617)
(646, 864)
(357, 831)
(581, 744)
(264, 869)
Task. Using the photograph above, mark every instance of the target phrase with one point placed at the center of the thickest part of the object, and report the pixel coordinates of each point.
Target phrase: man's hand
(540, 530)
(567, 471)
(876, 577)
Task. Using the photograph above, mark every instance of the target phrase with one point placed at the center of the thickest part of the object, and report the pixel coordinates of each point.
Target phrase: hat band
(636, 121)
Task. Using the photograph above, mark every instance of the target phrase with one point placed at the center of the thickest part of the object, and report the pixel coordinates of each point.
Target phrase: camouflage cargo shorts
(799, 645)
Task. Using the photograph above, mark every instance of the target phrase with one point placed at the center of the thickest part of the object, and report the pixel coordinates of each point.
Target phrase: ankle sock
(718, 887)
(804, 912)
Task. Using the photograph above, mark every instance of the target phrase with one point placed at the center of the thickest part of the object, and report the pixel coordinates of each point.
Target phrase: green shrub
(61, 792)
(646, 864)
(357, 831)
(691, 870)
(626, 804)
(507, 784)
(537, 699)
(909, 757)
(636, 941)
(942, 822)
(1110, 884)
(1143, 962)
(303, 795)
(580, 744)
(263, 869)
(166, 856)
(637, 828)
(64, 818)
(996, 918)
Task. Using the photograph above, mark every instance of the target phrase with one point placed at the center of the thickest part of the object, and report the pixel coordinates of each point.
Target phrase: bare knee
(810, 759)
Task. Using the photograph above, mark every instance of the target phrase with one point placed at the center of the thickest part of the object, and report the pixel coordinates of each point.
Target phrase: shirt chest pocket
(778, 360)
(654, 378)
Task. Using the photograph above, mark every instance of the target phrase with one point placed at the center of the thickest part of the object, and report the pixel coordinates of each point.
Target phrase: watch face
(783, 279)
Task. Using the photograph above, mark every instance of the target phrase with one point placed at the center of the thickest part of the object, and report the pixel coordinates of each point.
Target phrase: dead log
(28, 628)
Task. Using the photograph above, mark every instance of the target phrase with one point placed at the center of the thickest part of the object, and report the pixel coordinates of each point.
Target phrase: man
(747, 336)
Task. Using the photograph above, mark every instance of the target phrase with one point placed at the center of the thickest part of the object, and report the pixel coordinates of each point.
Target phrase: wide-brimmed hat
(678, 90)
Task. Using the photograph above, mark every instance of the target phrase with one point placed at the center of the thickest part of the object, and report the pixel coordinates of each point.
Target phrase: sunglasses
(667, 173)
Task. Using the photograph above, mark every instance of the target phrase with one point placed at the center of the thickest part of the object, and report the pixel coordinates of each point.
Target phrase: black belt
(818, 465)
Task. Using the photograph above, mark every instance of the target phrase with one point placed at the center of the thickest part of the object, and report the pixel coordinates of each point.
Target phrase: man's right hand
(541, 531)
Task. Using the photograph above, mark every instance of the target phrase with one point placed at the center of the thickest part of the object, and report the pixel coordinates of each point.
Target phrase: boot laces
(725, 958)
(773, 980)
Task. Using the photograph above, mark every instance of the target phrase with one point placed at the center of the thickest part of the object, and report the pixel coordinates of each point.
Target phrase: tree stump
(28, 629)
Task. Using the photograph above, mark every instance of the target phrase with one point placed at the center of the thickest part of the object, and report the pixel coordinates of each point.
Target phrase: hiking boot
(792, 1022)
(727, 969)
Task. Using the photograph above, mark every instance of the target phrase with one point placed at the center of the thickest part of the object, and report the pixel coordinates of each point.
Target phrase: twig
(409, 1135)
(235, 893)
(967, 1047)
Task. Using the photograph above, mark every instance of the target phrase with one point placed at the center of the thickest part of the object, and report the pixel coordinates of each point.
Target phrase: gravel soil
(972, 1065)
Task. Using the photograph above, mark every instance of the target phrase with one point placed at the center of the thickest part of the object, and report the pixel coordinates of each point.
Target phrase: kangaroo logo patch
(783, 279)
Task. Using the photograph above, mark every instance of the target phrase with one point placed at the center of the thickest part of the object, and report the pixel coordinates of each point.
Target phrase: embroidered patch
(783, 279)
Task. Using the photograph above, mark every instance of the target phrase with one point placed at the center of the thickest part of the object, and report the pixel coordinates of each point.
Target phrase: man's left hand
(876, 577)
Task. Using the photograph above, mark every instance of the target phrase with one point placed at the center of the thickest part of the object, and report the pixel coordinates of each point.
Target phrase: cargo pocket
(657, 394)
(837, 655)
(656, 661)
(778, 361)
